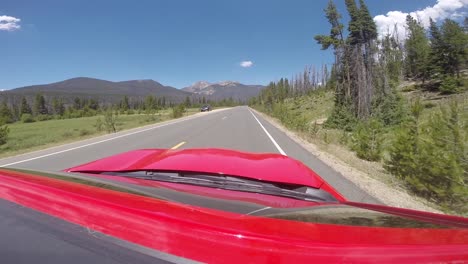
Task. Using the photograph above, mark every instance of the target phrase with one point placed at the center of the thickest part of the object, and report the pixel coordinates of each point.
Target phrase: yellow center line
(178, 145)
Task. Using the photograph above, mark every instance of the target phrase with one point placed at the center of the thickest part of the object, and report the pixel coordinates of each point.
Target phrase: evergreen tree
(6, 115)
(417, 50)
(58, 106)
(77, 103)
(362, 34)
(354, 25)
(93, 104)
(367, 140)
(437, 57)
(368, 26)
(40, 105)
(392, 57)
(187, 102)
(149, 103)
(340, 70)
(124, 104)
(4, 131)
(455, 48)
(25, 108)
(405, 150)
(335, 38)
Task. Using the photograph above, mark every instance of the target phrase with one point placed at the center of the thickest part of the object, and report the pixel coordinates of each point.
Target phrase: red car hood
(265, 167)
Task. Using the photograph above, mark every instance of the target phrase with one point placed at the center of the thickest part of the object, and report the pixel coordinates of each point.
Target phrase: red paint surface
(215, 236)
(265, 166)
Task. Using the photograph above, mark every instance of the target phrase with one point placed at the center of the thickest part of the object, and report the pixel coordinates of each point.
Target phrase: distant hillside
(104, 91)
(222, 90)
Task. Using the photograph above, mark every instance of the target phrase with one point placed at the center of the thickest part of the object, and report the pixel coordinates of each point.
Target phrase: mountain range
(226, 89)
(112, 92)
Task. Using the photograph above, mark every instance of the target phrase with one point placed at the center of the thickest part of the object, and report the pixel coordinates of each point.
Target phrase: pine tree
(6, 115)
(25, 108)
(93, 104)
(392, 57)
(40, 105)
(77, 103)
(4, 131)
(58, 106)
(335, 38)
(367, 140)
(362, 34)
(417, 50)
(455, 47)
(124, 104)
(404, 152)
(149, 103)
(368, 26)
(187, 102)
(340, 70)
(354, 25)
(437, 57)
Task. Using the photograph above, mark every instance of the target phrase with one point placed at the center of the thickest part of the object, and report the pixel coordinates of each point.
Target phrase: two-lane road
(236, 128)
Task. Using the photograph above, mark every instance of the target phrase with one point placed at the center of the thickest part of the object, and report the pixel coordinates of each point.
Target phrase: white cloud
(246, 64)
(441, 10)
(9, 23)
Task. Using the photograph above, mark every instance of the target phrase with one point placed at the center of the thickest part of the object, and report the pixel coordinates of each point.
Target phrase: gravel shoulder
(369, 176)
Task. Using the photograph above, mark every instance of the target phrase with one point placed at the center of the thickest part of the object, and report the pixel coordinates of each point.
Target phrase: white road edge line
(98, 142)
(268, 134)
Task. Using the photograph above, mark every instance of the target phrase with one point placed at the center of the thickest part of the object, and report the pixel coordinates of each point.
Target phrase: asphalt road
(235, 128)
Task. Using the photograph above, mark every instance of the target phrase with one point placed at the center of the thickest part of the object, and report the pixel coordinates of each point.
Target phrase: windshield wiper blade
(230, 183)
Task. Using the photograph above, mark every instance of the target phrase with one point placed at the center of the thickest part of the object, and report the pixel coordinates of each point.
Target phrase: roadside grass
(301, 112)
(26, 137)
(315, 106)
(306, 114)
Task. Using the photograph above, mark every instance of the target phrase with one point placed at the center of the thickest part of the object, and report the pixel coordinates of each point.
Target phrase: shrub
(84, 132)
(389, 109)
(432, 157)
(42, 117)
(27, 118)
(449, 85)
(367, 140)
(150, 118)
(404, 149)
(178, 111)
(314, 129)
(99, 125)
(110, 121)
(326, 137)
(4, 131)
(342, 117)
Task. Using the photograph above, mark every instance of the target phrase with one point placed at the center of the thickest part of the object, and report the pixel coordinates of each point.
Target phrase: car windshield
(233, 183)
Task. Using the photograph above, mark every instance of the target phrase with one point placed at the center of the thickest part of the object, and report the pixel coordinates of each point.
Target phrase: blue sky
(174, 42)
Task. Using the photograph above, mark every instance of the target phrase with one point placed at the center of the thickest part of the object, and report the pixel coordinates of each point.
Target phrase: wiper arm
(230, 183)
(195, 180)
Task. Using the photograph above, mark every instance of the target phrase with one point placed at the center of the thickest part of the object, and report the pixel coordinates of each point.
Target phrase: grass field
(26, 137)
